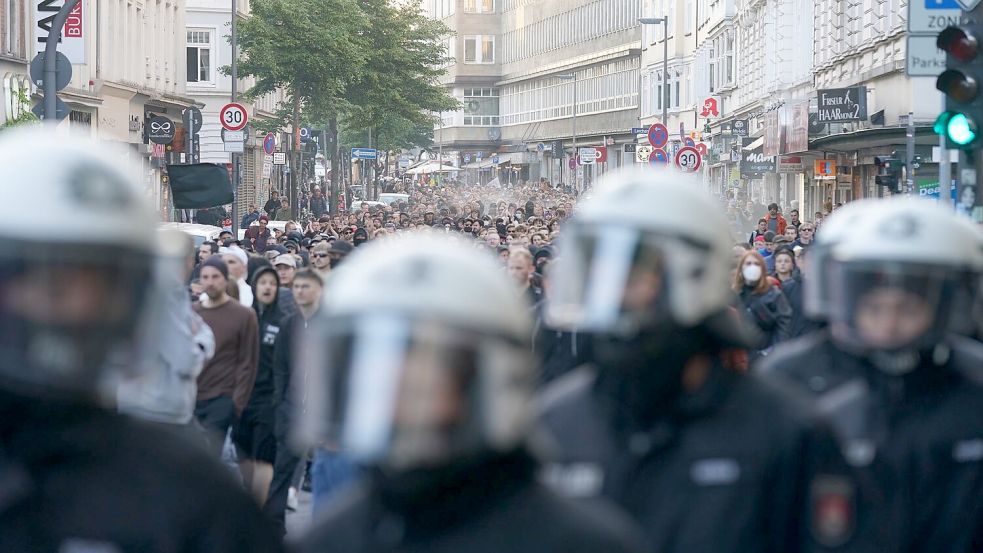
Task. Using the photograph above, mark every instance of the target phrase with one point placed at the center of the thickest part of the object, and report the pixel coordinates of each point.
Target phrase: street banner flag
(199, 185)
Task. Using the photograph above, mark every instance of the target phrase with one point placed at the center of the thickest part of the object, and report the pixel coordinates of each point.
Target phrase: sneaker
(292, 502)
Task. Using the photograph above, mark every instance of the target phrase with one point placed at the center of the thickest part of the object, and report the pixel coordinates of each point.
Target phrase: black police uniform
(731, 467)
(76, 479)
(917, 437)
(494, 506)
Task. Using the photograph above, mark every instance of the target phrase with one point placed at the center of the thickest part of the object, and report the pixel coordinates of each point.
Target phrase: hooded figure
(253, 433)
(360, 237)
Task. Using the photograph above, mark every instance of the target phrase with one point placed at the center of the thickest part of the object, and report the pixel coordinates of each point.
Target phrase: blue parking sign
(942, 5)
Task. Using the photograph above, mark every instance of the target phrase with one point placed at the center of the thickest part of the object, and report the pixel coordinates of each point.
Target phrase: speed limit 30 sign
(234, 117)
(688, 159)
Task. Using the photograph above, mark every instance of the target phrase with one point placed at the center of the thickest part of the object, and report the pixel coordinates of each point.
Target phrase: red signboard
(73, 25)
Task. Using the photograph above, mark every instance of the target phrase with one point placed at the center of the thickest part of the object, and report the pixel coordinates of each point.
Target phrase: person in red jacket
(776, 223)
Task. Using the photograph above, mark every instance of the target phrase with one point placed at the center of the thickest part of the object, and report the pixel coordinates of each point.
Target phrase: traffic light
(890, 172)
(962, 120)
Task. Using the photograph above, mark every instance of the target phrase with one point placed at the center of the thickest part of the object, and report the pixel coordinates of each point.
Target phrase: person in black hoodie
(253, 434)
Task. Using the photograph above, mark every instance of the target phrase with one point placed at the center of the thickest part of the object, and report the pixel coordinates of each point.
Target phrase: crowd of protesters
(690, 370)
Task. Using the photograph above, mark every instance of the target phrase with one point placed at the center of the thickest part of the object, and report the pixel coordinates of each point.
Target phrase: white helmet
(837, 226)
(642, 225)
(419, 355)
(76, 266)
(894, 279)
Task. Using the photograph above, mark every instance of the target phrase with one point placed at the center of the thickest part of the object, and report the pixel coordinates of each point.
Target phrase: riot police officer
(74, 476)
(418, 369)
(704, 458)
(902, 392)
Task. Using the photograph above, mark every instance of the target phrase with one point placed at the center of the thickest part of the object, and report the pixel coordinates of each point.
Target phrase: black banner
(199, 185)
(754, 164)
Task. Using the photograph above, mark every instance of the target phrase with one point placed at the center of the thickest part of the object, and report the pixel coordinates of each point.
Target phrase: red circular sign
(659, 157)
(688, 159)
(234, 116)
(658, 135)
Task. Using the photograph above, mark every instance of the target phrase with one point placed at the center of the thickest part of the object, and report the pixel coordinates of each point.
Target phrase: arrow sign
(61, 109)
(659, 157)
(658, 135)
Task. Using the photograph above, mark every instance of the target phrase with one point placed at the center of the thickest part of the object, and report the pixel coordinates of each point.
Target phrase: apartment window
(200, 63)
(479, 49)
(481, 106)
(729, 59)
(479, 6)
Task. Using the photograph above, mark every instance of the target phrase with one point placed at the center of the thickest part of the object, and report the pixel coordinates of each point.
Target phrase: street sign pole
(51, 59)
(910, 155)
(235, 156)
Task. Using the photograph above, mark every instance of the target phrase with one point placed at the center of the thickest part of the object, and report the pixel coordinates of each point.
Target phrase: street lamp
(573, 77)
(665, 66)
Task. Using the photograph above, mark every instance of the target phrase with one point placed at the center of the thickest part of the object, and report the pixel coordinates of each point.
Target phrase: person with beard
(890, 278)
(253, 432)
(418, 370)
(226, 382)
(703, 457)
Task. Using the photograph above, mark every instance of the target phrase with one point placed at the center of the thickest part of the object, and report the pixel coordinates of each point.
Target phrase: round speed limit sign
(688, 159)
(234, 117)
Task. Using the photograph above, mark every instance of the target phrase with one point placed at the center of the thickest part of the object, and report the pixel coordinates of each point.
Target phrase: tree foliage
(368, 63)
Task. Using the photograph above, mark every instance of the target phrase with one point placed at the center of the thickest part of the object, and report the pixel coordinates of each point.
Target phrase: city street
(539, 276)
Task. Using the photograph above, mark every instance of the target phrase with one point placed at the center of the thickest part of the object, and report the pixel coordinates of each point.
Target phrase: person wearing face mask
(703, 457)
(763, 301)
(902, 392)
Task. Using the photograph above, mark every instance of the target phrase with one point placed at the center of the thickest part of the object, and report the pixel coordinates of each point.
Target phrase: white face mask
(752, 273)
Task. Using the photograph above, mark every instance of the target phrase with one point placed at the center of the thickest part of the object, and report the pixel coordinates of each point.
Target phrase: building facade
(536, 77)
(207, 50)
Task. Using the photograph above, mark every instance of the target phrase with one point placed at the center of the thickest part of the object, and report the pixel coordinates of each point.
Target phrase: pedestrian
(790, 280)
(794, 219)
(521, 269)
(760, 231)
(286, 268)
(226, 382)
(75, 475)
(776, 223)
(259, 237)
(442, 427)
(656, 423)
(237, 262)
(307, 289)
(253, 432)
(318, 203)
(900, 390)
(763, 302)
(273, 204)
(807, 233)
(252, 214)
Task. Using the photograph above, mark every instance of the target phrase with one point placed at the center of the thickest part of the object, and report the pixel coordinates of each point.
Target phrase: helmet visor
(889, 307)
(389, 390)
(64, 312)
(609, 280)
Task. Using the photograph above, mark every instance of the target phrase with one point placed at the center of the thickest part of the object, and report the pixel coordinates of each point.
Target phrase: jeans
(330, 472)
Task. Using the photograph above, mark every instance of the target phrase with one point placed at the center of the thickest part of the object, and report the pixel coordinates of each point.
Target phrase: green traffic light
(961, 129)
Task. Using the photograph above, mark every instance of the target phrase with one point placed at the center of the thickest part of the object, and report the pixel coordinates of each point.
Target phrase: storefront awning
(868, 139)
(758, 142)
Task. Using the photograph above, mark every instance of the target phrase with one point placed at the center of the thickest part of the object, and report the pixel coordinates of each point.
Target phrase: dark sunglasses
(320, 255)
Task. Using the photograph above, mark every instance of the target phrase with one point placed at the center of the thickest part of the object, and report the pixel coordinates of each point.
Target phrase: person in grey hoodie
(174, 346)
